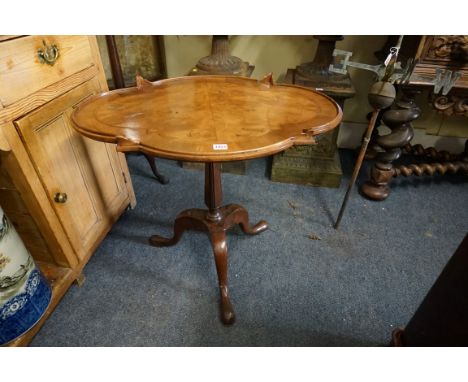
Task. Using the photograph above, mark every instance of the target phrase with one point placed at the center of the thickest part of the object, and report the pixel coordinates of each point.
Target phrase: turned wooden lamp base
(216, 220)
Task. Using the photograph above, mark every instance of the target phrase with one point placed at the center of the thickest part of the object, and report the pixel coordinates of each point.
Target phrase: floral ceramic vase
(24, 293)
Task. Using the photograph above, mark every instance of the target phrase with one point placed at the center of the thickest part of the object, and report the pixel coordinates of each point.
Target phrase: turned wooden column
(220, 61)
(213, 191)
(319, 66)
(432, 53)
(116, 68)
(389, 147)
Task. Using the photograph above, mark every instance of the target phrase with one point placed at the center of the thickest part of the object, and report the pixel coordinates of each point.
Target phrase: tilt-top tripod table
(210, 119)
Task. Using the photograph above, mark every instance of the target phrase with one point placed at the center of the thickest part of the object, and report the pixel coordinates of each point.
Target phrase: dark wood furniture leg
(160, 177)
(215, 221)
(114, 61)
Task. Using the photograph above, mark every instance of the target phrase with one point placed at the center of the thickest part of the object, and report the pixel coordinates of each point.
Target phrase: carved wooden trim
(448, 48)
(451, 104)
(441, 52)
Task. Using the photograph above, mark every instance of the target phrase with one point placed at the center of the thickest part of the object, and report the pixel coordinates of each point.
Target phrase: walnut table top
(207, 118)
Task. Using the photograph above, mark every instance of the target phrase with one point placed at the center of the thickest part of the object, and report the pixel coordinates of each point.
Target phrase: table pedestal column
(215, 221)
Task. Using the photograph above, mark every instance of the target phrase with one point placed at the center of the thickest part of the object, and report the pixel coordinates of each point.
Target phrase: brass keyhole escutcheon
(49, 54)
(60, 197)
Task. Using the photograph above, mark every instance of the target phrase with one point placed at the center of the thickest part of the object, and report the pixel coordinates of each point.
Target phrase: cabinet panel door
(104, 161)
(88, 172)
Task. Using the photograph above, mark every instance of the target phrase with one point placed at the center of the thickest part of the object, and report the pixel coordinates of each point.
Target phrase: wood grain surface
(207, 118)
(22, 72)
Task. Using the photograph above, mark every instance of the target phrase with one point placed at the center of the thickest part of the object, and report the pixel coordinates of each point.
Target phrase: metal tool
(381, 70)
(342, 66)
(444, 79)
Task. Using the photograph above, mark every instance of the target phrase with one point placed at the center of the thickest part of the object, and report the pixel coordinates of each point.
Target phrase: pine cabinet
(62, 191)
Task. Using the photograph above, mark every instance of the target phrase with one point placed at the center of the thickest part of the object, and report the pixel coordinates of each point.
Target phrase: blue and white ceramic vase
(24, 293)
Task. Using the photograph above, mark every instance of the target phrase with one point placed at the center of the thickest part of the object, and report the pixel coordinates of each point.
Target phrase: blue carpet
(300, 283)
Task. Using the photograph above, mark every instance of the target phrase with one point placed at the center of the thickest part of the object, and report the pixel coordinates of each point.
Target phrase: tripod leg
(151, 161)
(218, 242)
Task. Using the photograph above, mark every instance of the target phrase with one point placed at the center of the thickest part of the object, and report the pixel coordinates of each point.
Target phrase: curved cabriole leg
(218, 242)
(188, 219)
(239, 215)
(152, 162)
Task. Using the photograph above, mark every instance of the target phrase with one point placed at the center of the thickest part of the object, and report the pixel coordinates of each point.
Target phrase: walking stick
(357, 166)
(381, 95)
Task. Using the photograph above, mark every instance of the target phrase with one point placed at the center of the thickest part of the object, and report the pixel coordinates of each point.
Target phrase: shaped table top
(207, 118)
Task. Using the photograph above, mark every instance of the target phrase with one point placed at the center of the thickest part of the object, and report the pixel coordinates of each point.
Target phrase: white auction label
(220, 146)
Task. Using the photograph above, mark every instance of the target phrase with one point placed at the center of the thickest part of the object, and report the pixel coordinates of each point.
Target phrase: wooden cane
(357, 166)
(381, 95)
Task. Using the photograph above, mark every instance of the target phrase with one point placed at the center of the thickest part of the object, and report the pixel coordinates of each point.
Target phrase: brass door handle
(49, 54)
(60, 197)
